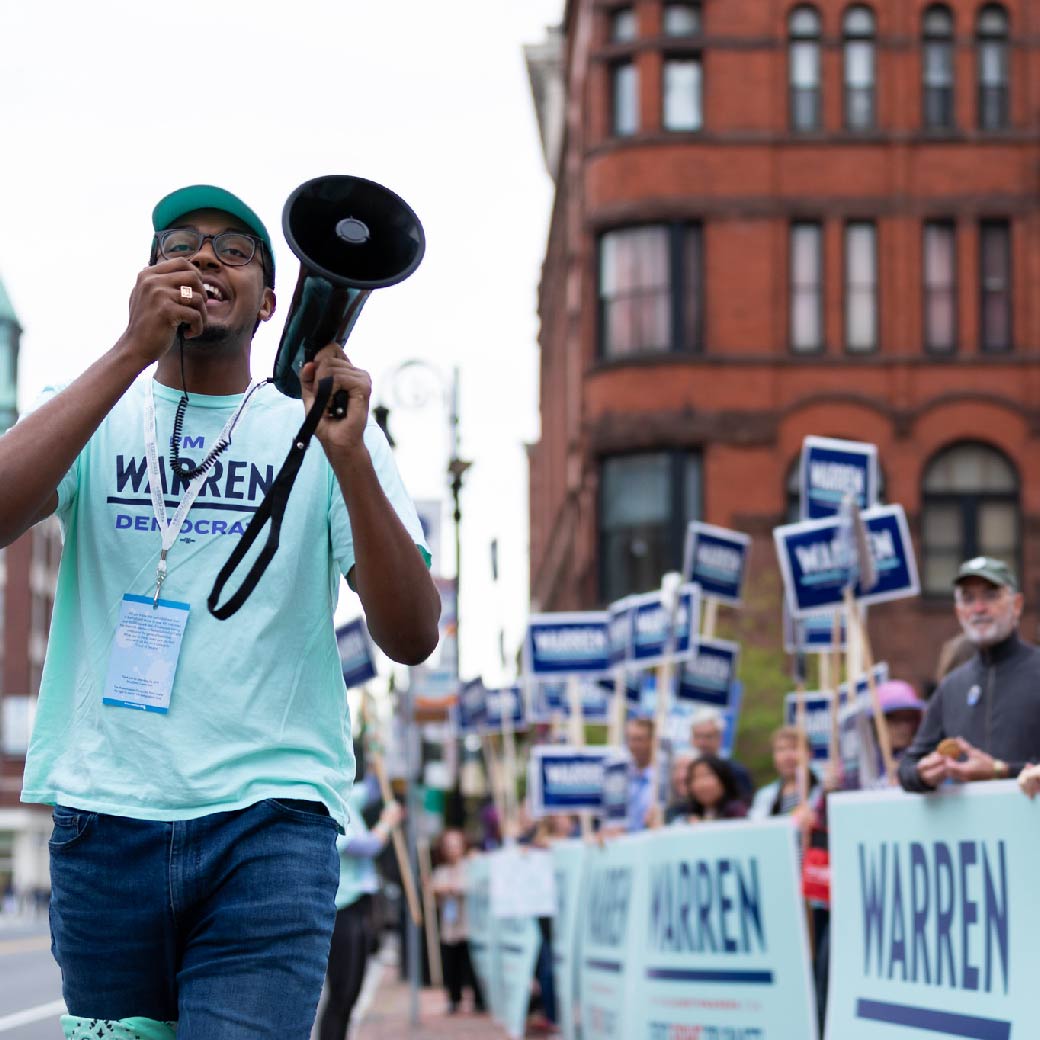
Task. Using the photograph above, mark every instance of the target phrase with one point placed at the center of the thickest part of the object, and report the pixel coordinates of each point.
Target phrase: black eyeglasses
(234, 248)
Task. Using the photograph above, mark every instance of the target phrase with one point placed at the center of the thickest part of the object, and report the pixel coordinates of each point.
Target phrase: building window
(682, 94)
(623, 26)
(625, 78)
(646, 501)
(859, 68)
(804, 68)
(650, 289)
(939, 277)
(937, 57)
(806, 288)
(681, 20)
(995, 285)
(969, 507)
(861, 295)
(991, 41)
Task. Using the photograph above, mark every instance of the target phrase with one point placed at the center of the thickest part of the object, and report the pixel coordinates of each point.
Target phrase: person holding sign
(785, 796)
(639, 738)
(707, 729)
(199, 767)
(983, 722)
(714, 793)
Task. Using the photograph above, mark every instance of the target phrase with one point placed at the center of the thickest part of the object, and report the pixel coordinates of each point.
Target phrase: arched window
(858, 28)
(991, 44)
(937, 56)
(969, 507)
(804, 68)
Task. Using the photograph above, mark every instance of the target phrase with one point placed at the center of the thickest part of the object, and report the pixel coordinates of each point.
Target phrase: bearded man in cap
(983, 721)
(199, 769)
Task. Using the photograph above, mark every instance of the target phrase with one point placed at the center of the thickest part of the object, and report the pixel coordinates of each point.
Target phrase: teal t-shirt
(258, 708)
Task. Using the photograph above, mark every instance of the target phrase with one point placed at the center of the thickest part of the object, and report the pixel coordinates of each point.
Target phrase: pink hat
(896, 695)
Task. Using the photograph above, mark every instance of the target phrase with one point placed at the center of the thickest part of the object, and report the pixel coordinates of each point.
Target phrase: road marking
(26, 945)
(24, 1018)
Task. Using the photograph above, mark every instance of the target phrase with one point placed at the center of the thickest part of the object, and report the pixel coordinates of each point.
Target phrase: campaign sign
(518, 940)
(568, 862)
(815, 574)
(619, 630)
(814, 633)
(472, 707)
(934, 900)
(506, 704)
(650, 636)
(355, 652)
(567, 644)
(832, 469)
(565, 779)
(730, 719)
(551, 700)
(482, 944)
(707, 677)
(522, 882)
(861, 688)
(817, 720)
(696, 932)
(614, 804)
(716, 559)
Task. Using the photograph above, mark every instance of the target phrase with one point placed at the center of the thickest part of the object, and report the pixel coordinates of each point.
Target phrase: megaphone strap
(271, 508)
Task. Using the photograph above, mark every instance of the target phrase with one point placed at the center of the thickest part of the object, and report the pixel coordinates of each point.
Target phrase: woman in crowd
(713, 792)
(785, 795)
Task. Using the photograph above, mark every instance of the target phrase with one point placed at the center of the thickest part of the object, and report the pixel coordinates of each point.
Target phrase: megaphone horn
(351, 236)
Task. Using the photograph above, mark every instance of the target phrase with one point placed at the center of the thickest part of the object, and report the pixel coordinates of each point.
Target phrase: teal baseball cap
(208, 196)
(996, 572)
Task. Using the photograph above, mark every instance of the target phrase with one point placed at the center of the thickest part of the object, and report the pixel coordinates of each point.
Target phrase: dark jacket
(992, 701)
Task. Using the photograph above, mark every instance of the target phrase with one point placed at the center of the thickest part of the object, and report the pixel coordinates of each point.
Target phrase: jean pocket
(302, 809)
(69, 826)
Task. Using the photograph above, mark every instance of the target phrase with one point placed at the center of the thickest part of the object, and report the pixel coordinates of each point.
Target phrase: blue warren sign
(651, 644)
(566, 779)
(355, 653)
(695, 932)
(817, 720)
(832, 469)
(811, 561)
(934, 898)
(567, 644)
(716, 559)
(814, 633)
(708, 676)
(471, 710)
(551, 700)
(504, 706)
(619, 631)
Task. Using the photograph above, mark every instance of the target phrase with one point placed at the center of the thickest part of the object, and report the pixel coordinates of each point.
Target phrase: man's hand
(933, 769)
(973, 764)
(1029, 780)
(391, 816)
(346, 434)
(158, 309)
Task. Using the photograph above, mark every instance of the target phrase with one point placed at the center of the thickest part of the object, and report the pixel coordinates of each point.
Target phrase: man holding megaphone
(199, 768)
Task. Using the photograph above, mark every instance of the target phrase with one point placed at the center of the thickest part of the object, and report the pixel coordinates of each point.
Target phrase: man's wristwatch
(1000, 769)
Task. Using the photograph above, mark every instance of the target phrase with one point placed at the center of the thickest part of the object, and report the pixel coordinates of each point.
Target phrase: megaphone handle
(338, 407)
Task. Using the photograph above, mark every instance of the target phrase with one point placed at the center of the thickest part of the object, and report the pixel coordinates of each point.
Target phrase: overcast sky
(106, 106)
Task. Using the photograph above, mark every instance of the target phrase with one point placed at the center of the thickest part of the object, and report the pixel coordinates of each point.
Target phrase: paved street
(30, 986)
(30, 996)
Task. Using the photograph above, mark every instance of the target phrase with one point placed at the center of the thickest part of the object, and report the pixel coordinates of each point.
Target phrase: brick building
(28, 571)
(775, 219)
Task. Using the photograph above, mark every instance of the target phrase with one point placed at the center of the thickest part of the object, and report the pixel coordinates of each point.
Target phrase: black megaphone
(351, 236)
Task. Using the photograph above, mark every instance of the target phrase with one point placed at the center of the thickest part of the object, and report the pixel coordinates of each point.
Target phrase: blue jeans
(222, 923)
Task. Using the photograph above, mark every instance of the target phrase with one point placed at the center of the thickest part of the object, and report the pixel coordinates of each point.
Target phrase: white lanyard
(169, 530)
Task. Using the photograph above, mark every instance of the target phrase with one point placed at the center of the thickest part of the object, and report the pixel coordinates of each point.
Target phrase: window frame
(1002, 92)
(947, 40)
(967, 504)
(820, 284)
(680, 461)
(617, 69)
(681, 237)
(847, 287)
(945, 224)
(856, 36)
(1005, 226)
(797, 37)
(670, 60)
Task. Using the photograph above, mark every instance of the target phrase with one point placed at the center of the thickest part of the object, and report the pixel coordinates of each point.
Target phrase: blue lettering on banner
(942, 1023)
(909, 906)
(193, 442)
(706, 907)
(607, 914)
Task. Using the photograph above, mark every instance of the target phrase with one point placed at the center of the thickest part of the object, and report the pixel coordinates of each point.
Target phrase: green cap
(207, 196)
(988, 569)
